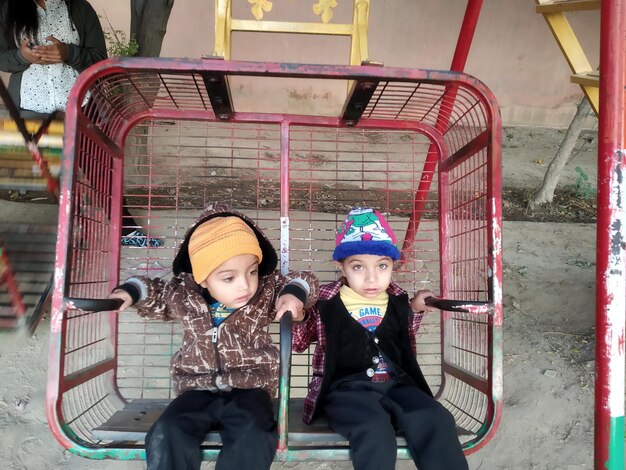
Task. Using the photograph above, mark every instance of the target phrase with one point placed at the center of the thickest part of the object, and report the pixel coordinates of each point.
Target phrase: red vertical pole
(7, 277)
(466, 35)
(610, 262)
(464, 42)
(283, 395)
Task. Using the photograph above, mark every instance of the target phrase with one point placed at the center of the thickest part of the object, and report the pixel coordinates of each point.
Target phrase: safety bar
(456, 305)
(286, 324)
(93, 305)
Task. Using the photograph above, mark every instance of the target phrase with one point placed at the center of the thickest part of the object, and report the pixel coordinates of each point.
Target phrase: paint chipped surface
(615, 302)
(496, 224)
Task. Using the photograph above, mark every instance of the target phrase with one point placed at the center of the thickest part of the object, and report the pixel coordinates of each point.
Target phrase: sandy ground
(548, 333)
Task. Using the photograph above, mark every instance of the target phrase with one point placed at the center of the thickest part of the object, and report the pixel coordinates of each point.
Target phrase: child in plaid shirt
(366, 378)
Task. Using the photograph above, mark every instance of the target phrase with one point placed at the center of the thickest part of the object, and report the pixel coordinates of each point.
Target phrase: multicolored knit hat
(365, 232)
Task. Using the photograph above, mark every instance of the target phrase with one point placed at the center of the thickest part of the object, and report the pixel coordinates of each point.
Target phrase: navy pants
(369, 415)
(244, 419)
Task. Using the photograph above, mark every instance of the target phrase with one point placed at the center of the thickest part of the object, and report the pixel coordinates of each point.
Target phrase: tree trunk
(546, 192)
(148, 24)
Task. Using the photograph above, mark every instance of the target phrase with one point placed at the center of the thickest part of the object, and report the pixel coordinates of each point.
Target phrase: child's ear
(339, 266)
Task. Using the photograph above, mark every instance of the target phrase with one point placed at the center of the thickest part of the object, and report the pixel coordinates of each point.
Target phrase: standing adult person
(44, 45)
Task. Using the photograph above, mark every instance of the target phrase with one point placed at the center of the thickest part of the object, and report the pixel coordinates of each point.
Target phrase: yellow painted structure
(582, 72)
(225, 24)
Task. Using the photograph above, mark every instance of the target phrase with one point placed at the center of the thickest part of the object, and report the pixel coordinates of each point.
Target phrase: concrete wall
(513, 51)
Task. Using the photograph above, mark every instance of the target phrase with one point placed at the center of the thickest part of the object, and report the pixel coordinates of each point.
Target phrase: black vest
(351, 348)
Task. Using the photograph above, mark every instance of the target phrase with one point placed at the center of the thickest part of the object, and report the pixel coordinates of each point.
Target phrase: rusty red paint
(611, 142)
(7, 277)
(80, 129)
(464, 42)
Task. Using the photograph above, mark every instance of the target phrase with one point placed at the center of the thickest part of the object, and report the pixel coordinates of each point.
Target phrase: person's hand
(290, 303)
(122, 295)
(418, 303)
(54, 53)
(28, 53)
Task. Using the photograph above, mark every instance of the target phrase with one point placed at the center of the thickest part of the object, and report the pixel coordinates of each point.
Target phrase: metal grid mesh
(178, 168)
(332, 170)
(181, 166)
(174, 165)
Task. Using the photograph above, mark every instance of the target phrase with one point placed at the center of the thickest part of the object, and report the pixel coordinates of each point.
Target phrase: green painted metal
(616, 444)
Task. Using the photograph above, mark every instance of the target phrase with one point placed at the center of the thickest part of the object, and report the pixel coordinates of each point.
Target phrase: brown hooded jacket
(240, 352)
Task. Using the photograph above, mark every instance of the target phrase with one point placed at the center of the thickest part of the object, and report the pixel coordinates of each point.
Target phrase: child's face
(367, 275)
(235, 281)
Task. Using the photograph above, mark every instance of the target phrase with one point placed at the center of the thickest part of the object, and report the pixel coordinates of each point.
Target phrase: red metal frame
(463, 45)
(7, 278)
(611, 259)
(453, 155)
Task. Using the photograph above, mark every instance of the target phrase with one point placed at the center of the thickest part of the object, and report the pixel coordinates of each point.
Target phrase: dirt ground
(549, 279)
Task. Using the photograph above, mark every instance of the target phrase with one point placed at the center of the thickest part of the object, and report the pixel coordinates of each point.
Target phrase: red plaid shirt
(311, 330)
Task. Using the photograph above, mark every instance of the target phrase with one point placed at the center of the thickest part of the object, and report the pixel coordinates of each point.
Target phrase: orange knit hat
(216, 241)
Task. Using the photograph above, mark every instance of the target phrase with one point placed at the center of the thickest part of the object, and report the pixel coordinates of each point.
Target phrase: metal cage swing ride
(163, 137)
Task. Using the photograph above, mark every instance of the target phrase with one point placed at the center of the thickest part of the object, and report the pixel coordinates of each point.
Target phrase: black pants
(369, 415)
(244, 419)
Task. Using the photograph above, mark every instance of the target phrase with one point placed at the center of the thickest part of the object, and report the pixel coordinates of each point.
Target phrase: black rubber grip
(95, 305)
(286, 323)
(453, 305)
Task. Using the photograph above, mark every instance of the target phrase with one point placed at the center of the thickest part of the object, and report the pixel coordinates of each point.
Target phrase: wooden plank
(55, 127)
(587, 79)
(7, 183)
(15, 139)
(16, 164)
(568, 5)
(17, 154)
(21, 172)
(8, 229)
(133, 422)
(318, 431)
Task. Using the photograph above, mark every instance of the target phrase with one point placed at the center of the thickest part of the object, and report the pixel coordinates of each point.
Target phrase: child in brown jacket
(225, 291)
